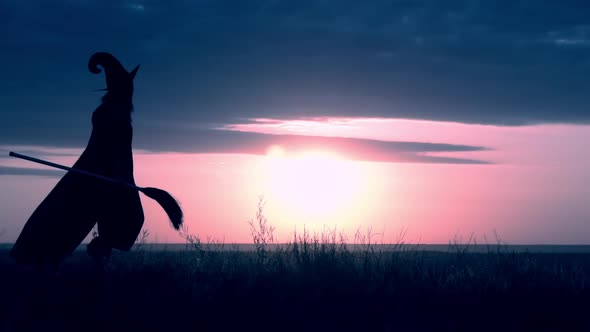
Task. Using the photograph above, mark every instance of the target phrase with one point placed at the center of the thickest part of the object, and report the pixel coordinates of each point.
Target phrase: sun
(312, 184)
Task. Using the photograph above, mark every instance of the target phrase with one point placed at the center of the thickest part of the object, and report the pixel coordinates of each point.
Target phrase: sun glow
(313, 184)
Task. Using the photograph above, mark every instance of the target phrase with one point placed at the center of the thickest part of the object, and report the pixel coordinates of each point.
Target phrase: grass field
(314, 283)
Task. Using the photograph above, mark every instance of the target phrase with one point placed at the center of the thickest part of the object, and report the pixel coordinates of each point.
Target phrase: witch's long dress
(66, 216)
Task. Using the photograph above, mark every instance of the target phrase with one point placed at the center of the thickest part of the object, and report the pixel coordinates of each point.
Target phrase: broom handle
(75, 170)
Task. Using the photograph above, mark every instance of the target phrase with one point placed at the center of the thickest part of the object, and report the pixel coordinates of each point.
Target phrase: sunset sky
(441, 118)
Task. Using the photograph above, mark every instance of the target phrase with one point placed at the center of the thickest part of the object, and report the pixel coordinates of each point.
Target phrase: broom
(166, 201)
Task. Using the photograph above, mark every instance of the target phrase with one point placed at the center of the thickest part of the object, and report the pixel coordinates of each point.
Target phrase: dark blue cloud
(6, 170)
(216, 62)
(221, 141)
(161, 138)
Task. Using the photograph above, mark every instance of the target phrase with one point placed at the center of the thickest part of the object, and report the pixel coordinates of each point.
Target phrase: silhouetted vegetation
(315, 282)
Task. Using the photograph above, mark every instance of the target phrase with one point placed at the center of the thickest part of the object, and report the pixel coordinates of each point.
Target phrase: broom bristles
(168, 203)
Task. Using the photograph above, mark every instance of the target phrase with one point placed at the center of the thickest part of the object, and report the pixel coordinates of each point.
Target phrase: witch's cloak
(67, 215)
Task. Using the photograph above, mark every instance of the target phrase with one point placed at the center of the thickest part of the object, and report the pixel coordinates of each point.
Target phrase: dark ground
(303, 287)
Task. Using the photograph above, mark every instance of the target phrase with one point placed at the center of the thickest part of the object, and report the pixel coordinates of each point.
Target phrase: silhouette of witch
(78, 201)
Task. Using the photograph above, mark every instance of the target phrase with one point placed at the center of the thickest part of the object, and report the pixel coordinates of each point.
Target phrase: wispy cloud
(6, 170)
(576, 36)
(136, 7)
(241, 142)
(257, 137)
(39, 151)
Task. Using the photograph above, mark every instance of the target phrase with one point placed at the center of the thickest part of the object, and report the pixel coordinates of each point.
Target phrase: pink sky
(535, 190)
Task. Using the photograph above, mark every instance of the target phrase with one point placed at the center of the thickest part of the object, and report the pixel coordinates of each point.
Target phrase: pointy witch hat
(119, 81)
